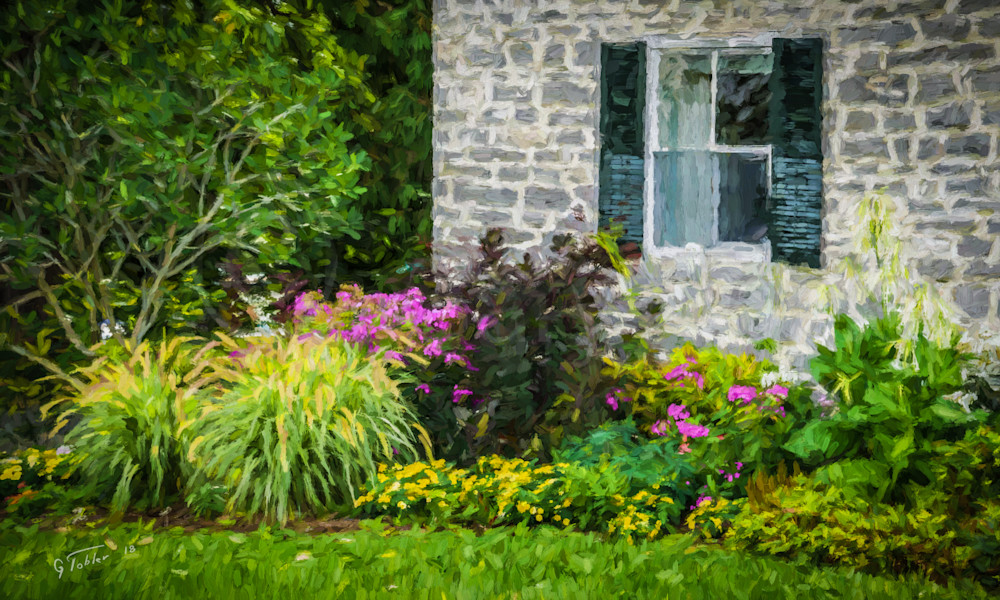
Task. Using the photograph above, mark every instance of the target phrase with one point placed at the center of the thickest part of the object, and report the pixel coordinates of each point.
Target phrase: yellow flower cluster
(501, 490)
(42, 462)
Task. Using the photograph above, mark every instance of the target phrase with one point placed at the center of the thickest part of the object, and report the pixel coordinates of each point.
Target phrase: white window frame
(762, 43)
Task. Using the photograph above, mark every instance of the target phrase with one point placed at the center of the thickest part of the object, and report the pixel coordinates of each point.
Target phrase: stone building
(735, 141)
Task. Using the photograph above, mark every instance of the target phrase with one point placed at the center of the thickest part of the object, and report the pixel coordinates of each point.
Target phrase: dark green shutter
(623, 95)
(797, 162)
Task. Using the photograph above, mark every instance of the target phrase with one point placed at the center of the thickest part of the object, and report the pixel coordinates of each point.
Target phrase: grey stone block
(561, 118)
(902, 148)
(956, 114)
(526, 115)
(858, 120)
(959, 225)
(513, 174)
(965, 186)
(900, 121)
(490, 154)
(546, 198)
(888, 90)
(952, 167)
(505, 93)
(973, 246)
(492, 218)
(929, 148)
(993, 227)
(987, 80)
(942, 54)
(586, 53)
(453, 170)
(522, 53)
(554, 55)
(864, 147)
(977, 144)
(480, 56)
(486, 195)
(970, 6)
(973, 299)
(947, 27)
(935, 88)
(990, 27)
(882, 33)
(867, 63)
(936, 269)
(981, 268)
(570, 137)
(564, 91)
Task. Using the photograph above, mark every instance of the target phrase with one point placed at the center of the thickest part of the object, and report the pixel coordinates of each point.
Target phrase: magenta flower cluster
(679, 414)
(614, 396)
(375, 319)
(683, 372)
(770, 400)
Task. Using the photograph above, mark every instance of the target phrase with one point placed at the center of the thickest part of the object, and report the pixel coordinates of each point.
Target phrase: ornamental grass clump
(300, 425)
(130, 414)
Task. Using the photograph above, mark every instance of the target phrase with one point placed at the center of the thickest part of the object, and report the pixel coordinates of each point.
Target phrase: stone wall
(911, 105)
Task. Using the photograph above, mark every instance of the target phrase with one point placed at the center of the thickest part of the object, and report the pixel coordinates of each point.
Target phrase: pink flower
(777, 390)
(433, 348)
(392, 354)
(423, 387)
(742, 392)
(612, 402)
(483, 324)
(684, 448)
(690, 430)
(677, 372)
(678, 412)
(659, 428)
(457, 394)
(452, 357)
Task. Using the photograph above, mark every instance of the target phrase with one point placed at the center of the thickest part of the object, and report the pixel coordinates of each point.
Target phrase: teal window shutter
(795, 127)
(623, 94)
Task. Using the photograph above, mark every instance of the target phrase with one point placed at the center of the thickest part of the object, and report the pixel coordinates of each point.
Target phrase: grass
(378, 562)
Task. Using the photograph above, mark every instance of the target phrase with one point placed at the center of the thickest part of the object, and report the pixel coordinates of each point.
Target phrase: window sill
(724, 251)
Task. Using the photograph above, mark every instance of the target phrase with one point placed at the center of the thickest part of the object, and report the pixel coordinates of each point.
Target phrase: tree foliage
(143, 144)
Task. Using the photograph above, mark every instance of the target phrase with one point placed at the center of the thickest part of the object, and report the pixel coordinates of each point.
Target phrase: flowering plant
(497, 490)
(715, 405)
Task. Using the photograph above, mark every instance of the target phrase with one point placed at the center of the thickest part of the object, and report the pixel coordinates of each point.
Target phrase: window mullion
(716, 176)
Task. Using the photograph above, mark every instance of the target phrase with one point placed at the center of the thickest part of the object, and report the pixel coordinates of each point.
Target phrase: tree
(138, 145)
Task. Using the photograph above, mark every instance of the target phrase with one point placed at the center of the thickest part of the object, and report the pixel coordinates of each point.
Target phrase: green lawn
(521, 562)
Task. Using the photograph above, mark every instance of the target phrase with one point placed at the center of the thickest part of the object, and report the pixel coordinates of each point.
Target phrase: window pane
(683, 197)
(742, 99)
(685, 100)
(742, 197)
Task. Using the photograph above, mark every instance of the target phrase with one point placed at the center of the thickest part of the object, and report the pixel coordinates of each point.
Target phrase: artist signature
(94, 555)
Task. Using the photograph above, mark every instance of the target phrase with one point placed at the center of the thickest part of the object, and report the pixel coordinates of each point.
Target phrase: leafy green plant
(889, 413)
(129, 418)
(620, 447)
(805, 517)
(298, 426)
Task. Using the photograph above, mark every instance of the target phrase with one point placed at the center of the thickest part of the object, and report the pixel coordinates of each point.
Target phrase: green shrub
(130, 415)
(879, 441)
(804, 517)
(620, 447)
(299, 425)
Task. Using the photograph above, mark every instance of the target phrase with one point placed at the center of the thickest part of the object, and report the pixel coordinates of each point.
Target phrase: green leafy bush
(499, 490)
(129, 418)
(804, 517)
(890, 411)
(620, 447)
(299, 425)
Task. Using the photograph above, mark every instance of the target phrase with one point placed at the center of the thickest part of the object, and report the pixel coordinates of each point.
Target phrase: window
(714, 144)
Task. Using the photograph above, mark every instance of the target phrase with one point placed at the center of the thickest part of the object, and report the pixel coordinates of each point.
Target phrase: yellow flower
(523, 506)
(12, 472)
(538, 517)
(401, 504)
(557, 518)
(384, 499)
